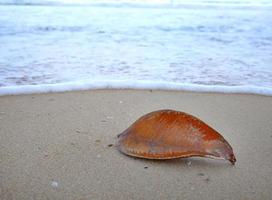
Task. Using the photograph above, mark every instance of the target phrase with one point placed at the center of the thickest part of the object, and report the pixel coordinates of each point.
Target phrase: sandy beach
(61, 146)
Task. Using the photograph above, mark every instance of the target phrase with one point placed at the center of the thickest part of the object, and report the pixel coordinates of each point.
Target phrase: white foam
(205, 50)
(128, 84)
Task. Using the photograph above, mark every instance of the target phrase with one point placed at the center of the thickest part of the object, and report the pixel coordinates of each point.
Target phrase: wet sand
(61, 146)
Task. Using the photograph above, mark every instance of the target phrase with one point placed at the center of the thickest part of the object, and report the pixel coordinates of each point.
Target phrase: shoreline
(132, 85)
(61, 146)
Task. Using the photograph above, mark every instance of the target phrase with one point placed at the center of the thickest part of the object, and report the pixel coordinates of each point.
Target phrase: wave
(128, 84)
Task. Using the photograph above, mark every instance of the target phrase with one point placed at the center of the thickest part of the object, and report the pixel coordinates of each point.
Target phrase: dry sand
(58, 146)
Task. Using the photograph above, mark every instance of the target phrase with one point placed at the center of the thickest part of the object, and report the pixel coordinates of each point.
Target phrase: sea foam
(204, 49)
(128, 84)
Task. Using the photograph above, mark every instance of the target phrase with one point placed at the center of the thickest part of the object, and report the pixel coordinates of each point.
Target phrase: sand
(59, 146)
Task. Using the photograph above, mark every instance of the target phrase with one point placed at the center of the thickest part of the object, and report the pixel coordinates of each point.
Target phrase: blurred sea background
(60, 45)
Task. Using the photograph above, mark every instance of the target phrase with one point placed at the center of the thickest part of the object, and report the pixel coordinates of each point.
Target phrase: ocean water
(198, 47)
